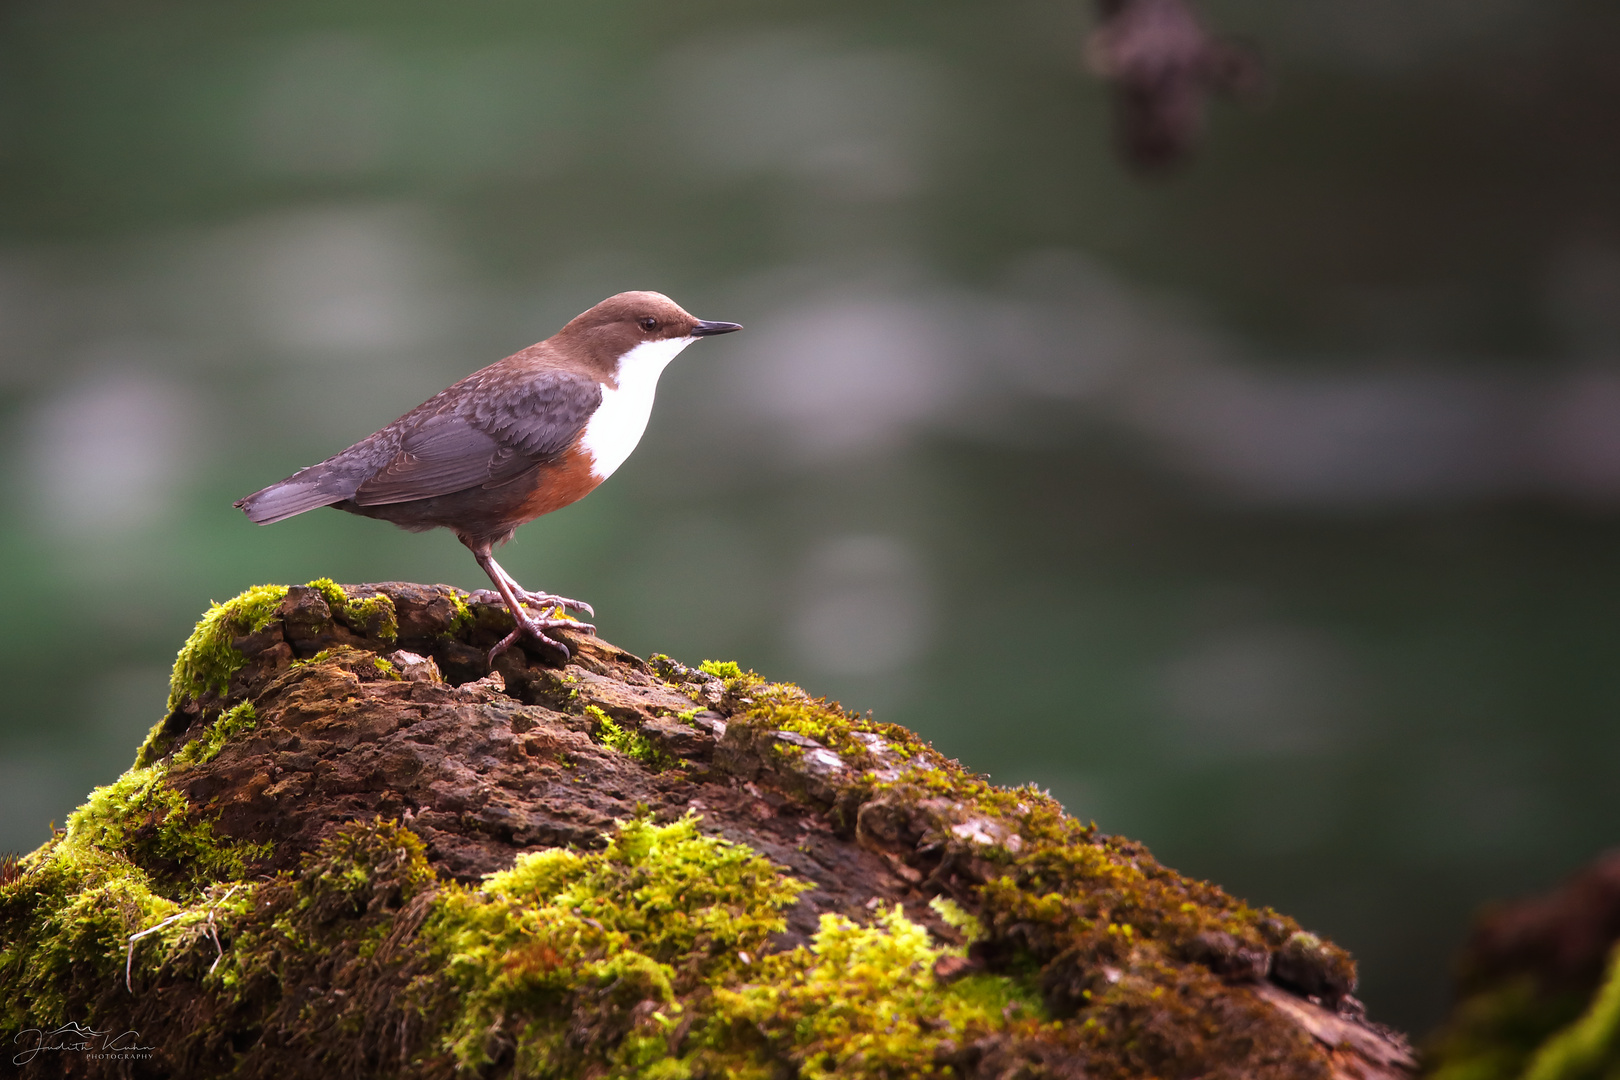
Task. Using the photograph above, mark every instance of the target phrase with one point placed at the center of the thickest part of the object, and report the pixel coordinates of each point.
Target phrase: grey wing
(545, 419)
(491, 441)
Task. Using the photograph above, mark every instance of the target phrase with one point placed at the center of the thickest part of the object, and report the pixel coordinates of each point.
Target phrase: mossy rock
(351, 849)
(1539, 988)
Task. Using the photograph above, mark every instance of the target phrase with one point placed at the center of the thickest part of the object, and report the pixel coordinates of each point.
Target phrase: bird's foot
(550, 601)
(536, 628)
(539, 601)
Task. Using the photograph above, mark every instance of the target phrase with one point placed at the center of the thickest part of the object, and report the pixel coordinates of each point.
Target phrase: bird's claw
(550, 600)
(564, 624)
(536, 628)
(538, 600)
(545, 601)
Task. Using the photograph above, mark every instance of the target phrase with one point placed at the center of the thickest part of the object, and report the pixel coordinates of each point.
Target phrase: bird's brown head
(620, 323)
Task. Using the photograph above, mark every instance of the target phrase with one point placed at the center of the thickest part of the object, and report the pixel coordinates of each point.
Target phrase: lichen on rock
(352, 848)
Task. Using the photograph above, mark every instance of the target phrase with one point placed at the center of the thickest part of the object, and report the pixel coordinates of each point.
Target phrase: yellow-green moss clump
(136, 853)
(862, 1000)
(207, 660)
(631, 743)
(643, 959)
(232, 722)
(372, 616)
(654, 947)
(1589, 1047)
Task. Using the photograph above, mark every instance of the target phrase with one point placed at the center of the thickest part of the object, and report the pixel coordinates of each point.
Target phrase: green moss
(142, 818)
(331, 592)
(784, 707)
(66, 922)
(861, 1001)
(343, 876)
(207, 661)
(463, 619)
(1058, 902)
(958, 919)
(298, 947)
(376, 614)
(1590, 1047)
(132, 855)
(721, 669)
(1493, 1033)
(632, 743)
(599, 963)
(372, 616)
(232, 722)
(562, 948)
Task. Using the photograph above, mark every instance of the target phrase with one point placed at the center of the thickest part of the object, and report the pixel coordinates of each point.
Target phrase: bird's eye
(649, 324)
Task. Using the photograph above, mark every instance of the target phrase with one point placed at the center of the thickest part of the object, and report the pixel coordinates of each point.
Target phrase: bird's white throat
(615, 427)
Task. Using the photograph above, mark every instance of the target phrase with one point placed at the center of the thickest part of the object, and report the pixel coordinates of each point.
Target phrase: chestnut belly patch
(555, 485)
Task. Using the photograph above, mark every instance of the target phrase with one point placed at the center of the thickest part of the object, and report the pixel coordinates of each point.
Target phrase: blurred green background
(1266, 513)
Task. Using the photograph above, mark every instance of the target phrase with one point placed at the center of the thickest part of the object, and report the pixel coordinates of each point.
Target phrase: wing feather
(488, 441)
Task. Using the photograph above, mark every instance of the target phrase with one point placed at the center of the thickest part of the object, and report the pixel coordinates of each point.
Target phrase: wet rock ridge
(350, 848)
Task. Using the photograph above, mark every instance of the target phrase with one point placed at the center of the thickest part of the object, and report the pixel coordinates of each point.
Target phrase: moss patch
(135, 853)
(230, 723)
(1590, 1047)
(565, 942)
(646, 959)
(631, 743)
(1517, 1029)
(207, 660)
(464, 617)
(141, 818)
(643, 959)
(860, 1001)
(371, 616)
(67, 920)
(721, 669)
(1494, 1033)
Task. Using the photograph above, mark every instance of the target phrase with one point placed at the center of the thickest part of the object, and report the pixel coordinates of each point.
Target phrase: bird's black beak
(709, 329)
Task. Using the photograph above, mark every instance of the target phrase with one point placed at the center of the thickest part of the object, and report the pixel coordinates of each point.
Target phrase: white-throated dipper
(523, 437)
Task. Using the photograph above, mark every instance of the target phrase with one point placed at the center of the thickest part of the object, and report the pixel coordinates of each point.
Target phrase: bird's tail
(306, 489)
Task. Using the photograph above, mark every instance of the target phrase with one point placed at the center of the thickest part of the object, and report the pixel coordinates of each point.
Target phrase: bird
(522, 437)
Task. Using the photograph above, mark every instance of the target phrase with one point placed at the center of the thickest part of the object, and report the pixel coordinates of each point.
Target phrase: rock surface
(351, 848)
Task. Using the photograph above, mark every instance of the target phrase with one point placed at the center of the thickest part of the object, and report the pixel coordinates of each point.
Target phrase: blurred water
(1267, 513)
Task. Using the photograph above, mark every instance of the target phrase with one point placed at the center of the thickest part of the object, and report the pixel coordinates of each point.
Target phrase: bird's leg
(526, 623)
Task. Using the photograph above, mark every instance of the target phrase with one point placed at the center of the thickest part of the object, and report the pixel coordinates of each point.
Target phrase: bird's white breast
(615, 427)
